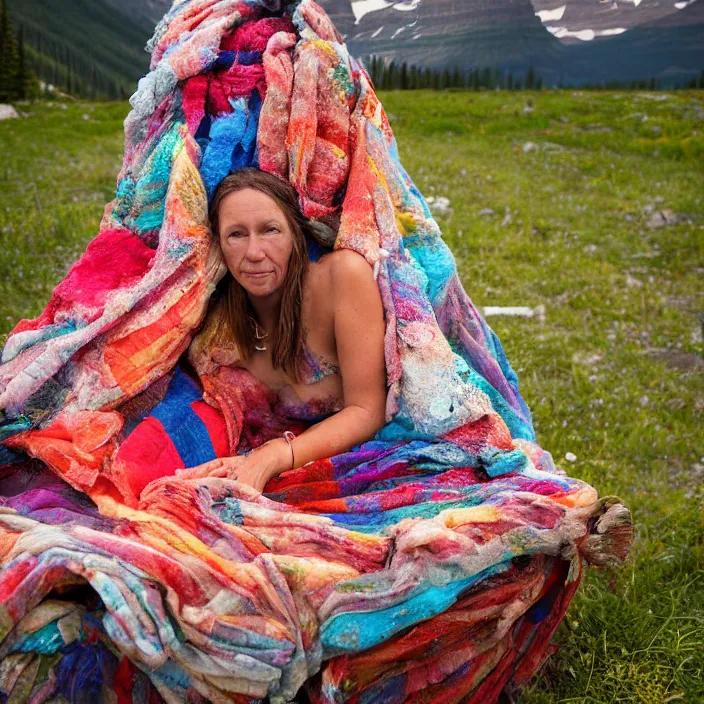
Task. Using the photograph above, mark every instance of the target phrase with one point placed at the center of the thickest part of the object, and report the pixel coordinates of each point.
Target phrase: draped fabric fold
(432, 563)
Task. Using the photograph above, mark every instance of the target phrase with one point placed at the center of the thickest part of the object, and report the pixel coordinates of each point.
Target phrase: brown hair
(288, 337)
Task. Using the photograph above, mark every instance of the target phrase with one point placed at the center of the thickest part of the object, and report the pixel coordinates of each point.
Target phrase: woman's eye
(272, 229)
(236, 233)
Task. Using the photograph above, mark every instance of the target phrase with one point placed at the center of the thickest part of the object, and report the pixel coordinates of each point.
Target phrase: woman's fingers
(202, 470)
(222, 467)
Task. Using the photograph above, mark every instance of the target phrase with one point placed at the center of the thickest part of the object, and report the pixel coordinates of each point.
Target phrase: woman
(311, 331)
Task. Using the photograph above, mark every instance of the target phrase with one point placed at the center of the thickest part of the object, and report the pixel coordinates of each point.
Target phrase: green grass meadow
(555, 197)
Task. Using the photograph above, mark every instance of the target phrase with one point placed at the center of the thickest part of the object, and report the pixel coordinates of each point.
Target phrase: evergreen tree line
(17, 81)
(400, 76)
(69, 71)
(27, 56)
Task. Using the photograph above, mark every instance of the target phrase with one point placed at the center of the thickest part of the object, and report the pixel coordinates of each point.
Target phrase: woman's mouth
(257, 274)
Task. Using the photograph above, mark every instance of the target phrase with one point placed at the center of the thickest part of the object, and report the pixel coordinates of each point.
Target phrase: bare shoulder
(347, 267)
(340, 269)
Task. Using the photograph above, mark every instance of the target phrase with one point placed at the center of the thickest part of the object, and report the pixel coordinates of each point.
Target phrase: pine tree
(414, 77)
(475, 79)
(9, 57)
(392, 75)
(446, 79)
(22, 78)
(4, 22)
(530, 78)
(485, 80)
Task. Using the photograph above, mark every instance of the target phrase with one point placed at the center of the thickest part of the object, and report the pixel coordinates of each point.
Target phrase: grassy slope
(577, 243)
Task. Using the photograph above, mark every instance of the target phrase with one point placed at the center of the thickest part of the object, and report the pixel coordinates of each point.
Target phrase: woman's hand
(254, 469)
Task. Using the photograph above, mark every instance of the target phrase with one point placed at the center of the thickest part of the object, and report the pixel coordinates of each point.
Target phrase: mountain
(575, 21)
(576, 41)
(447, 33)
(85, 46)
(150, 10)
(98, 45)
(670, 48)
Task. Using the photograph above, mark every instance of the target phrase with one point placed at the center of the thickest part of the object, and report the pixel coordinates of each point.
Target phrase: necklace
(258, 336)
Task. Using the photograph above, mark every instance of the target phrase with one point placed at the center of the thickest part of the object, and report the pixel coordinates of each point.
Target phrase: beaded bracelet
(289, 436)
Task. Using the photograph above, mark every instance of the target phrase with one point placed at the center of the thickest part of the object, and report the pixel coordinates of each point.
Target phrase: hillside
(444, 33)
(670, 48)
(101, 47)
(577, 21)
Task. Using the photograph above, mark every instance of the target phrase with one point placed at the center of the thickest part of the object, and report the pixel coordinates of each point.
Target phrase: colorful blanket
(430, 564)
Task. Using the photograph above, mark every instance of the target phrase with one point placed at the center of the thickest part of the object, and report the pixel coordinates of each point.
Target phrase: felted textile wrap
(430, 564)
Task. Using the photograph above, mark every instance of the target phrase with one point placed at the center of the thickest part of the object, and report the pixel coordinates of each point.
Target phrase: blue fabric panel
(186, 430)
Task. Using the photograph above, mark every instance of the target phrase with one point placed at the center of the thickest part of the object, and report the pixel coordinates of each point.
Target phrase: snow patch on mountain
(360, 8)
(552, 15)
(585, 35)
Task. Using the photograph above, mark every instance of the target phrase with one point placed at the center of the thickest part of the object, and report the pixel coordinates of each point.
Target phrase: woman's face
(256, 241)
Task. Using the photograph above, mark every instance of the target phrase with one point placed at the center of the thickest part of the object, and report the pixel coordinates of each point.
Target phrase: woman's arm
(359, 338)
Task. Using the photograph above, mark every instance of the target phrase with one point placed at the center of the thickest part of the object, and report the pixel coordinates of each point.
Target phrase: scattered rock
(439, 204)
(676, 359)
(631, 281)
(85, 116)
(658, 97)
(528, 108)
(8, 112)
(552, 147)
(570, 457)
(530, 147)
(667, 216)
(588, 360)
(486, 211)
(516, 311)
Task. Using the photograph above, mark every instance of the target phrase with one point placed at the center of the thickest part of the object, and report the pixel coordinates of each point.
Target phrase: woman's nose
(254, 248)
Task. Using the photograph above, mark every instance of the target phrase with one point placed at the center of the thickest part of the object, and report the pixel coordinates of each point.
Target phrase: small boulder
(8, 112)
(439, 205)
(663, 217)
